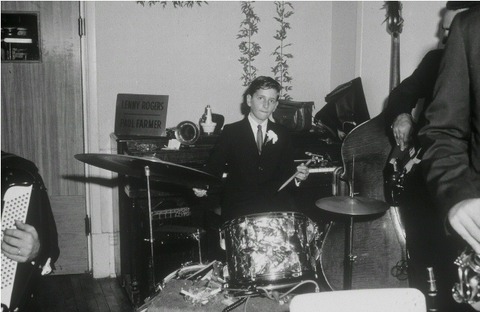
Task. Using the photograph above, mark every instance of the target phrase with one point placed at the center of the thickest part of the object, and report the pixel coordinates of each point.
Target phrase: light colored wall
(192, 55)
(421, 20)
(344, 41)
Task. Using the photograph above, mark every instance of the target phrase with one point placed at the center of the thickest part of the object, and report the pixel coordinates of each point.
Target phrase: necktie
(259, 139)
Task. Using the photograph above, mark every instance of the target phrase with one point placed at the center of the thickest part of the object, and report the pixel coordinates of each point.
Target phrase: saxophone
(467, 290)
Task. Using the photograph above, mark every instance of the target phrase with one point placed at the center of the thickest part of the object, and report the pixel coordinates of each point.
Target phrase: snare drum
(270, 249)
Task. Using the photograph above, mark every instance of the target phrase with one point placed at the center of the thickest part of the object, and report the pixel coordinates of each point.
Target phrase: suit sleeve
(48, 232)
(448, 132)
(288, 166)
(41, 217)
(418, 85)
(218, 156)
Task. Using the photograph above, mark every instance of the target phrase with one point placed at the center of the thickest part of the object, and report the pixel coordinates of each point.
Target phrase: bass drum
(378, 240)
(270, 249)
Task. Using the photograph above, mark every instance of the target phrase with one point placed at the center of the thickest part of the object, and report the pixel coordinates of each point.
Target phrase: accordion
(24, 199)
(16, 201)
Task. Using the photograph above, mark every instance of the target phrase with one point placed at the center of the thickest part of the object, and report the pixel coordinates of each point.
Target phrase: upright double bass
(379, 242)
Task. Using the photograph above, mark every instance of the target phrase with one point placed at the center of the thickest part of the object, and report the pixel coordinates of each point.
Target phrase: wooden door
(42, 120)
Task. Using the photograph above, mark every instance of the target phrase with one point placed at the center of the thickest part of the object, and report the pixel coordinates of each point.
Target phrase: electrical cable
(317, 288)
(235, 304)
(270, 295)
(246, 302)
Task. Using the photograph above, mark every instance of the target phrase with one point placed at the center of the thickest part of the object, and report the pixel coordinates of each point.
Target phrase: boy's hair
(262, 82)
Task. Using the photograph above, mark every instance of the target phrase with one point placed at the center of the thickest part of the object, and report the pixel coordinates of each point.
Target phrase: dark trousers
(428, 245)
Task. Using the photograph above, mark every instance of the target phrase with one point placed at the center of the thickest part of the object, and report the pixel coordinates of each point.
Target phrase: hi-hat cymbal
(159, 170)
(352, 206)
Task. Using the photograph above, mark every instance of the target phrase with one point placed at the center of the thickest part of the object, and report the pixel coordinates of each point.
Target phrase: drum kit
(266, 251)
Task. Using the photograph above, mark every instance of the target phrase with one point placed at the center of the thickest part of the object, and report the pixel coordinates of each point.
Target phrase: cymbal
(352, 206)
(159, 170)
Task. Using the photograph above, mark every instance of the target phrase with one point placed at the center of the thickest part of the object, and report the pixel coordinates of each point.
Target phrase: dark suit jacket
(419, 85)
(18, 171)
(452, 161)
(253, 179)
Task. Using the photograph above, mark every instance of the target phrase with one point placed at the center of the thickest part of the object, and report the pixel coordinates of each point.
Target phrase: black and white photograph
(203, 156)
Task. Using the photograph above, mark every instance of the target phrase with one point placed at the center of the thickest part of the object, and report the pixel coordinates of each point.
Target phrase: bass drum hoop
(260, 215)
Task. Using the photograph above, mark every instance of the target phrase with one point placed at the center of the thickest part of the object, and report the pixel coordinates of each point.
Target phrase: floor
(82, 293)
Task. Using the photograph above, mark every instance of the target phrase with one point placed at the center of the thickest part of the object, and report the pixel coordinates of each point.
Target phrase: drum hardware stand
(350, 206)
(349, 257)
(150, 225)
(151, 240)
(149, 167)
(196, 236)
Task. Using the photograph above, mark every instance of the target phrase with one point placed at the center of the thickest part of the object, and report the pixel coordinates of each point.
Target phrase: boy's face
(262, 103)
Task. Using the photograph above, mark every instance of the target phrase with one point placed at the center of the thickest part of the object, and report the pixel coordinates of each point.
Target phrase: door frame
(86, 86)
(100, 200)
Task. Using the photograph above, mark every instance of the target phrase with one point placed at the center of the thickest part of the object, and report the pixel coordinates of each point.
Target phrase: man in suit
(257, 155)
(419, 85)
(451, 162)
(33, 244)
(423, 243)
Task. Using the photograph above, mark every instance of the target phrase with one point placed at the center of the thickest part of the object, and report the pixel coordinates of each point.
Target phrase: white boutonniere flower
(271, 136)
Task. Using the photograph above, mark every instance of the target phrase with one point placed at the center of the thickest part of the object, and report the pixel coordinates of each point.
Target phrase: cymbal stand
(150, 225)
(349, 257)
(196, 236)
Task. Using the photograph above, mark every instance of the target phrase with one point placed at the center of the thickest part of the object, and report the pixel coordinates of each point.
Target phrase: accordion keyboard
(16, 202)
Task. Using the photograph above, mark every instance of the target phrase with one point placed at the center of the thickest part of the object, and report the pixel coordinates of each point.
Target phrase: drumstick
(288, 181)
(292, 177)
